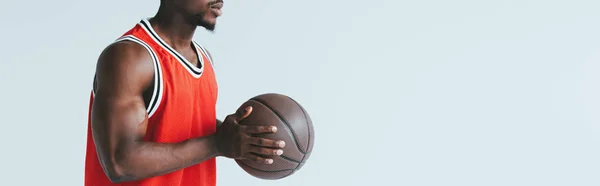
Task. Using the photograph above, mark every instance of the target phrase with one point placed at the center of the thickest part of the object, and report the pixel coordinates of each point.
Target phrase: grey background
(415, 93)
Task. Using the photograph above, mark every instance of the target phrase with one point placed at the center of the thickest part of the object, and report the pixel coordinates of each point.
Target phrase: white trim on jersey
(94, 87)
(192, 69)
(157, 93)
(205, 53)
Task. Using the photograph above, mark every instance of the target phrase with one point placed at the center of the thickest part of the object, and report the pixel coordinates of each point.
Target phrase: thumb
(241, 114)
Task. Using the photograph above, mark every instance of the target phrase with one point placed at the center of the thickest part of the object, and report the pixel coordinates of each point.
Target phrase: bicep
(117, 118)
(119, 115)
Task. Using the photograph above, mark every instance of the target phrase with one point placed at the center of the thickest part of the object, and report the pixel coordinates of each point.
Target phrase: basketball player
(152, 118)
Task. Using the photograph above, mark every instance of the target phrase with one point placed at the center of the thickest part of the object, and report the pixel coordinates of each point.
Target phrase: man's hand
(235, 141)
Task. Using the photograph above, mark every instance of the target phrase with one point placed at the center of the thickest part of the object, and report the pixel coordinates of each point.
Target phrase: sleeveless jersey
(182, 106)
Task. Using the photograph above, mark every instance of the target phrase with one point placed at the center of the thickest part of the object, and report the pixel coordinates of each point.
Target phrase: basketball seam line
(308, 126)
(289, 128)
(290, 159)
(309, 144)
(243, 163)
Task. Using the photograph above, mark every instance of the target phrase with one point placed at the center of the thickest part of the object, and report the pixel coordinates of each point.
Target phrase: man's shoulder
(125, 51)
(125, 57)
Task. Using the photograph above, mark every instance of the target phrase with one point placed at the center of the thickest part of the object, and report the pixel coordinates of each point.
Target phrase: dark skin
(119, 118)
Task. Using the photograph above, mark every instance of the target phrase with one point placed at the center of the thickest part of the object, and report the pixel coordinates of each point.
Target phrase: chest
(183, 88)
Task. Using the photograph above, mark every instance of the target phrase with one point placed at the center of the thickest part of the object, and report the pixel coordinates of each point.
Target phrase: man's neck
(174, 29)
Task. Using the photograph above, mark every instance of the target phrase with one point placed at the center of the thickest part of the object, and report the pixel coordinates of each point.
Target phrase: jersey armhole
(157, 90)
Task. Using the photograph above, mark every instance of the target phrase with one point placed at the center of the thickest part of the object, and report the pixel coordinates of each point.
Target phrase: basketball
(294, 126)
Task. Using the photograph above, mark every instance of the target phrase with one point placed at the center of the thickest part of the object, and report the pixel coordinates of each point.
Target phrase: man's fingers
(258, 159)
(260, 129)
(265, 151)
(262, 142)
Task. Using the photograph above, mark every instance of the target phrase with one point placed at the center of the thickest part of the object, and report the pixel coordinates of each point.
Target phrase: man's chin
(210, 26)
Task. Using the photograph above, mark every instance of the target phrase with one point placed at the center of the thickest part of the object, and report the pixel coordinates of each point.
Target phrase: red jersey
(182, 106)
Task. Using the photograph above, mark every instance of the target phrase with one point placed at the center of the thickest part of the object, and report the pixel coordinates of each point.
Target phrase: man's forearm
(149, 159)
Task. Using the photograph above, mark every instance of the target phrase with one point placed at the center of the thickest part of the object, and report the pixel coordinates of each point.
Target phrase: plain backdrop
(402, 93)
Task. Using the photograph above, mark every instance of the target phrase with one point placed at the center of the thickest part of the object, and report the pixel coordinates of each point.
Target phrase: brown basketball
(294, 127)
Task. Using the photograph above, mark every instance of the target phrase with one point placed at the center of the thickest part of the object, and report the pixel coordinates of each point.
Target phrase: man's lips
(217, 5)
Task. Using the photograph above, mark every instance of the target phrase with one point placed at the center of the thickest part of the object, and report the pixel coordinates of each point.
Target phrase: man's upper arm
(119, 116)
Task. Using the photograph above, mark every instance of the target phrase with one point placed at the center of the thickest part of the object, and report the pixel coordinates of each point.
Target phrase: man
(152, 109)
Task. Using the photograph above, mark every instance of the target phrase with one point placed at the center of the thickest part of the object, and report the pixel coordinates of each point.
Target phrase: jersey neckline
(192, 69)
